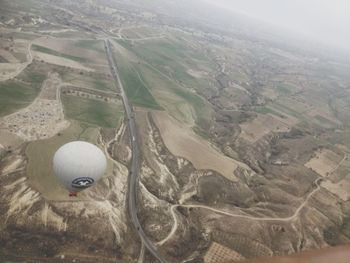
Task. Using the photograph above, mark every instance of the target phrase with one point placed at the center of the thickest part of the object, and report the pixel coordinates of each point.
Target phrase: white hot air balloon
(79, 165)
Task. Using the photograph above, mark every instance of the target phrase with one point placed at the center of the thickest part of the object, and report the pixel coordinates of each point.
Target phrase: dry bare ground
(324, 162)
(183, 142)
(101, 207)
(153, 167)
(60, 61)
(52, 214)
(8, 56)
(340, 189)
(261, 126)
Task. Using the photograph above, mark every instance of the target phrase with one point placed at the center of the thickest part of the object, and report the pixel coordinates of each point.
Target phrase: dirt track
(285, 219)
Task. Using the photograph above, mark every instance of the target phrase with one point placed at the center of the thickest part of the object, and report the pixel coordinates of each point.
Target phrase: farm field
(92, 112)
(14, 95)
(141, 32)
(56, 53)
(324, 162)
(218, 253)
(261, 126)
(21, 91)
(90, 80)
(177, 98)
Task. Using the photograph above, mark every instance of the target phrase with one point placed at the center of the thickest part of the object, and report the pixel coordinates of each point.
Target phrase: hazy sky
(324, 20)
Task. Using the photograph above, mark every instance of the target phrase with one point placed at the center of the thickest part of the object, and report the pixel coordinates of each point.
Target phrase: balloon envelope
(79, 165)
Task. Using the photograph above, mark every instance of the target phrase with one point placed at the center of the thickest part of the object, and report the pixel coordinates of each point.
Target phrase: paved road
(135, 163)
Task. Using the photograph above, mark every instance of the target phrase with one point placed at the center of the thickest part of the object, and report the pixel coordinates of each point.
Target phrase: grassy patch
(103, 85)
(15, 95)
(91, 80)
(172, 58)
(136, 90)
(200, 107)
(162, 66)
(56, 53)
(197, 102)
(284, 89)
(140, 32)
(134, 86)
(181, 97)
(324, 120)
(266, 110)
(96, 45)
(288, 111)
(32, 77)
(92, 112)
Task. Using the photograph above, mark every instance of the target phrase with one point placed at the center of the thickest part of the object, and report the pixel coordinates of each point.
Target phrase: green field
(324, 121)
(56, 53)
(103, 85)
(15, 95)
(140, 32)
(21, 91)
(40, 154)
(160, 82)
(171, 58)
(201, 108)
(96, 45)
(288, 111)
(90, 80)
(32, 76)
(285, 89)
(266, 110)
(92, 112)
(137, 91)
(173, 92)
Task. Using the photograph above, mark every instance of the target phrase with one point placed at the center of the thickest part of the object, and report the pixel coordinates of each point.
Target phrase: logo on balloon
(82, 182)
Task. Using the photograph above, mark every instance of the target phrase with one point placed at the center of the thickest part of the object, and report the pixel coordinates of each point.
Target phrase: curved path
(285, 219)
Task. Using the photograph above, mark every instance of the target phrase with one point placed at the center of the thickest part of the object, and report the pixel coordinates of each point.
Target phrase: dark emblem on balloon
(82, 182)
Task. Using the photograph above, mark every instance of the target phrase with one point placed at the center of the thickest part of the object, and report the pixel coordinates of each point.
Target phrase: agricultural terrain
(243, 137)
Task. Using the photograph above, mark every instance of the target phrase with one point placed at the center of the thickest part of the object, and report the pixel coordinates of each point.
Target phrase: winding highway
(135, 162)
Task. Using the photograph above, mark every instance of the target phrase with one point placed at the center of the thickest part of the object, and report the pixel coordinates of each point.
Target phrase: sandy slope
(183, 142)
